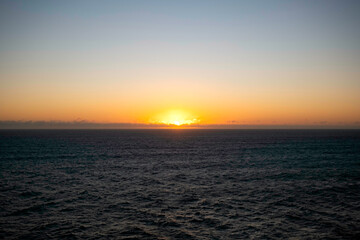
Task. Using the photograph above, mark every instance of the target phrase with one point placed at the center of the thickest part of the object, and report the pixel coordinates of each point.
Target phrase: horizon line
(13, 124)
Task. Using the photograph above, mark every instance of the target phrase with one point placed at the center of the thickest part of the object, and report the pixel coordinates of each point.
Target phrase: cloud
(321, 123)
(83, 124)
(78, 124)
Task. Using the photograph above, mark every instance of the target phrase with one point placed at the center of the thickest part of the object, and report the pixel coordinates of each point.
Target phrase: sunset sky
(181, 62)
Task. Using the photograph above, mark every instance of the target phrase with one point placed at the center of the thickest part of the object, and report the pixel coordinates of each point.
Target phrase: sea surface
(180, 184)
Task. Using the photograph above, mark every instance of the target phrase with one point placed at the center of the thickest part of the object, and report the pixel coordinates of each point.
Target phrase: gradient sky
(240, 62)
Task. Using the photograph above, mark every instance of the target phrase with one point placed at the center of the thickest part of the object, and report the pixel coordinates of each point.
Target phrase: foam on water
(180, 184)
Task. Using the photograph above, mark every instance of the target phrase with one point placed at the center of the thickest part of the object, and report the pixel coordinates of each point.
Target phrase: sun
(175, 118)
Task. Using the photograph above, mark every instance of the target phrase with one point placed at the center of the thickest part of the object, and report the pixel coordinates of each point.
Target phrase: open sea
(180, 184)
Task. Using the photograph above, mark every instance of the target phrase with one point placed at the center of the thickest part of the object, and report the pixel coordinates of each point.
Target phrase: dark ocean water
(180, 184)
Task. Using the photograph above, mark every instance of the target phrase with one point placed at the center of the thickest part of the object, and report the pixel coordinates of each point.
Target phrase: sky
(181, 62)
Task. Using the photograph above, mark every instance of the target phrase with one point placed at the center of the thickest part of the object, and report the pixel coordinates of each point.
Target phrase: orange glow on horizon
(175, 118)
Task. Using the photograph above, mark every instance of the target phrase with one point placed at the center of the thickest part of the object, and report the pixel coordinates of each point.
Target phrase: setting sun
(175, 118)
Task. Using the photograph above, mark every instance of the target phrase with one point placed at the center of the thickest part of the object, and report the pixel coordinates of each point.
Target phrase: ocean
(180, 184)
